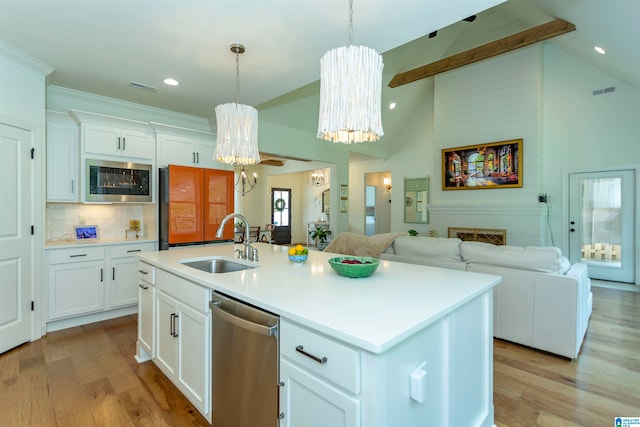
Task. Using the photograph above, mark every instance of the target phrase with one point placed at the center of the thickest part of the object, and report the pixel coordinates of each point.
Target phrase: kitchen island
(410, 345)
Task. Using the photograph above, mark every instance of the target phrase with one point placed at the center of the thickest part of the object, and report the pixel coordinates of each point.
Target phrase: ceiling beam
(524, 38)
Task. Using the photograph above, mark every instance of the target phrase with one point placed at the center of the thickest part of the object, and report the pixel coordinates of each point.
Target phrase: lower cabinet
(183, 337)
(307, 400)
(320, 379)
(90, 279)
(146, 312)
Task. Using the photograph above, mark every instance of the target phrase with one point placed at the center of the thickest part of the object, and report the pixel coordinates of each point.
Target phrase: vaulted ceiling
(102, 46)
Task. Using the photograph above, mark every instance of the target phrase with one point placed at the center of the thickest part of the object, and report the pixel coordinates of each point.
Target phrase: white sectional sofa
(542, 302)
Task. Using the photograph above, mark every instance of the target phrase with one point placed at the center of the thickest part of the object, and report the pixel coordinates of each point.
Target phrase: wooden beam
(524, 38)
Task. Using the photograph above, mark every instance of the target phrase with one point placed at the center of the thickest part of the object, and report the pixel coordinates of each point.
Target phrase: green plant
(413, 232)
(320, 233)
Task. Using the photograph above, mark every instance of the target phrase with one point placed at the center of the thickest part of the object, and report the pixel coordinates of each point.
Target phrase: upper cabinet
(62, 158)
(114, 137)
(185, 147)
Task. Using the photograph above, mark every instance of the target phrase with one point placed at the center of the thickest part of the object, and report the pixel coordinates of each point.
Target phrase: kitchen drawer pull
(143, 272)
(142, 286)
(320, 360)
(134, 250)
(102, 274)
(76, 256)
(113, 273)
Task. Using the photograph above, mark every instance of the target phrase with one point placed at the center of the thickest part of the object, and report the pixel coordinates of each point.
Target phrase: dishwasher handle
(243, 323)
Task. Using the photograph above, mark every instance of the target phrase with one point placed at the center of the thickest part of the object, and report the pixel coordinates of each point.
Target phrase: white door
(15, 237)
(601, 225)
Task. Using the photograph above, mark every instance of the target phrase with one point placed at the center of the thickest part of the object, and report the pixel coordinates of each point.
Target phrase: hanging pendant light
(350, 93)
(244, 184)
(237, 127)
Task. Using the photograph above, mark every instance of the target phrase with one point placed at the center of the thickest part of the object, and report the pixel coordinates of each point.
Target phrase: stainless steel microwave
(108, 181)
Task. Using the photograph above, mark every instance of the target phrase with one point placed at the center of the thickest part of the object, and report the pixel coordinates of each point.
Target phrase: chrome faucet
(250, 253)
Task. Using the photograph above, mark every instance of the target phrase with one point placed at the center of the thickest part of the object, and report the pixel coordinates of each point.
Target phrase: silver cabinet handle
(320, 360)
(124, 142)
(118, 143)
(140, 285)
(134, 250)
(76, 256)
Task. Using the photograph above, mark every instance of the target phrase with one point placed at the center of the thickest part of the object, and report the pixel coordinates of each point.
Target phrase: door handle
(113, 273)
(140, 285)
(171, 324)
(124, 141)
(198, 158)
(118, 143)
(102, 274)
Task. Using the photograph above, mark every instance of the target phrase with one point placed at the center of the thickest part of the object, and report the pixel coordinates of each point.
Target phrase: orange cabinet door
(218, 202)
(186, 204)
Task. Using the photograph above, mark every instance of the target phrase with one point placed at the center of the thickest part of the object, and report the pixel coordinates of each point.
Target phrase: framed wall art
(483, 166)
(344, 192)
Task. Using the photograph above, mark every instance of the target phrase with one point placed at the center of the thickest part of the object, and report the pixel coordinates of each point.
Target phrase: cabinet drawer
(146, 273)
(189, 293)
(122, 251)
(342, 363)
(89, 253)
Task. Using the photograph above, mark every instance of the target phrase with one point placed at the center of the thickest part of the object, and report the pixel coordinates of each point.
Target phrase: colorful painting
(484, 166)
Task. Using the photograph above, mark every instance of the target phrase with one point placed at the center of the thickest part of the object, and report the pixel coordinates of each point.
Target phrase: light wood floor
(87, 376)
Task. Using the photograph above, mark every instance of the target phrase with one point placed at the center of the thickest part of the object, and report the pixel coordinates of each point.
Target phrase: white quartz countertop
(373, 313)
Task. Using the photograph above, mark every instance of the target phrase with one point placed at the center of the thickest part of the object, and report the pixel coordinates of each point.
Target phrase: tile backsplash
(112, 219)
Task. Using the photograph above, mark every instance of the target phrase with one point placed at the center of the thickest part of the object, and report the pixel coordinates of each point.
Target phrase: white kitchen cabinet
(185, 147)
(321, 379)
(115, 141)
(76, 282)
(113, 137)
(183, 336)
(123, 270)
(306, 400)
(146, 348)
(89, 279)
(62, 158)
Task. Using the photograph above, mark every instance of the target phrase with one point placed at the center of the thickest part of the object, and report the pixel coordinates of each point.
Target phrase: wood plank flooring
(87, 376)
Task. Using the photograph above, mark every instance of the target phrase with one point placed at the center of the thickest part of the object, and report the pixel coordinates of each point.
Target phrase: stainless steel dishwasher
(244, 364)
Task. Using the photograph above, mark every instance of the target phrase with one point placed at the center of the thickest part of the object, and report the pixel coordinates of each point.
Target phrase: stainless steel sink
(216, 265)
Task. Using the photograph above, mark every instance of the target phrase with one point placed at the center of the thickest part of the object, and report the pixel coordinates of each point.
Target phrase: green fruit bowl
(351, 268)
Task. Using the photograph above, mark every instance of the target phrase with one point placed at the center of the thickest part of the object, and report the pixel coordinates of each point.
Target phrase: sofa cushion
(545, 259)
(433, 247)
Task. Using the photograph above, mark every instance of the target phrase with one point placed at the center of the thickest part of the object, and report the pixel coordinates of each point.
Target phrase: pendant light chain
(237, 77)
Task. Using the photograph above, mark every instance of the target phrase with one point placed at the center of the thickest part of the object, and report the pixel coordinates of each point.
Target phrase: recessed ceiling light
(171, 82)
(600, 50)
(392, 106)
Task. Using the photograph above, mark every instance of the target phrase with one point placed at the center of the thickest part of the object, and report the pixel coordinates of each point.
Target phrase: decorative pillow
(546, 259)
(434, 247)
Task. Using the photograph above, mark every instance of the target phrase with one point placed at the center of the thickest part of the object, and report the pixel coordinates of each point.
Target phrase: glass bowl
(298, 259)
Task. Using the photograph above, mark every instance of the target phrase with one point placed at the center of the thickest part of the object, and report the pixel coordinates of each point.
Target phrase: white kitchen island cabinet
(409, 346)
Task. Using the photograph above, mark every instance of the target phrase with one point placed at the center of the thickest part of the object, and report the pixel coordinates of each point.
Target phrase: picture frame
(344, 192)
(483, 166)
(344, 206)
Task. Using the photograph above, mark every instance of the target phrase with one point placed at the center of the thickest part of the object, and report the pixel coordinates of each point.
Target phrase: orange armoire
(192, 204)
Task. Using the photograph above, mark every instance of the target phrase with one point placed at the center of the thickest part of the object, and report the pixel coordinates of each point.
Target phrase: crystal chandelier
(316, 177)
(237, 127)
(244, 184)
(350, 93)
